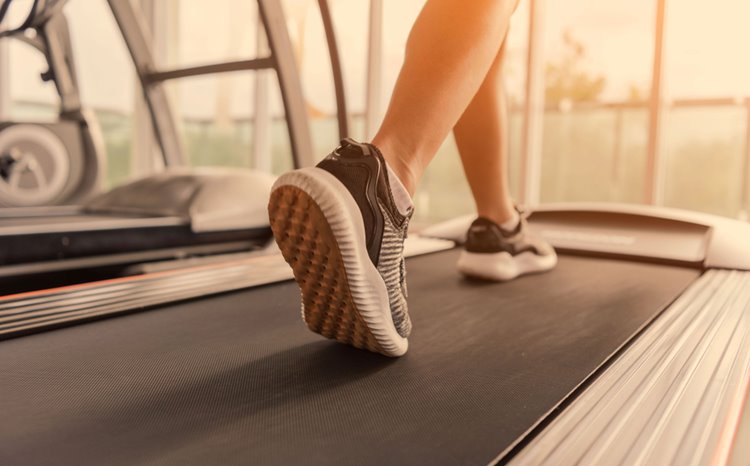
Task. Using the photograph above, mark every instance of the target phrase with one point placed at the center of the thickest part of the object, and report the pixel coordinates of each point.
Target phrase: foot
(338, 227)
(492, 253)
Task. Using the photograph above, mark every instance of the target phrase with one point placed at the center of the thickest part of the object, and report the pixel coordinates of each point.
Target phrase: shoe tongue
(351, 148)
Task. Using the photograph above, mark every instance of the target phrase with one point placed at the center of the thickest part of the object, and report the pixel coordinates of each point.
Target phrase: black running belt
(237, 378)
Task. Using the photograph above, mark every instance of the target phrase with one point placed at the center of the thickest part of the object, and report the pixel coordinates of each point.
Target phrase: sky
(705, 49)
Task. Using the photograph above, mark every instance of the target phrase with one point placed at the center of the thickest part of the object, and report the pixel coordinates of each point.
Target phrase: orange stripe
(110, 281)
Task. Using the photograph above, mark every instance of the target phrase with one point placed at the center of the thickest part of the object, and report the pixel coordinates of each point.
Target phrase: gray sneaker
(339, 229)
(492, 253)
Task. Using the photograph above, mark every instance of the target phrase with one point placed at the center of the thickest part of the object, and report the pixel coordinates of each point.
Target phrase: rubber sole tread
(309, 246)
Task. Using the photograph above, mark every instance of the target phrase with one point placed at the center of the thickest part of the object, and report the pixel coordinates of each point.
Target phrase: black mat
(238, 378)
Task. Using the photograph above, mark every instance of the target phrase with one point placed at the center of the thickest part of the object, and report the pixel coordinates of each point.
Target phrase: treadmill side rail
(25, 313)
(674, 397)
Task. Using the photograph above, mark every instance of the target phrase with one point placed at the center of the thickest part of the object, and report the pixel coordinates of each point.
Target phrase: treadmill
(60, 229)
(174, 214)
(634, 350)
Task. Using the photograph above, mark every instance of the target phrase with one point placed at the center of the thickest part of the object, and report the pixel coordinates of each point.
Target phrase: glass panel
(598, 67)
(106, 78)
(230, 100)
(313, 59)
(215, 120)
(704, 143)
(596, 154)
(351, 22)
(31, 99)
(516, 55)
(704, 150)
(201, 32)
(705, 46)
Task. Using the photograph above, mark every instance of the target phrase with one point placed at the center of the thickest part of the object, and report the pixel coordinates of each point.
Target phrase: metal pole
(142, 150)
(745, 185)
(338, 78)
(533, 118)
(374, 69)
(295, 105)
(654, 191)
(4, 80)
(615, 176)
(261, 156)
(156, 97)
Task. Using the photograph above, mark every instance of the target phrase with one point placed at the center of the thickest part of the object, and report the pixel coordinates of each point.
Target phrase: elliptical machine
(60, 163)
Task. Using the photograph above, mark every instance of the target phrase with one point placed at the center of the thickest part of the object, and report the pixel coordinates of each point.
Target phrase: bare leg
(450, 49)
(481, 136)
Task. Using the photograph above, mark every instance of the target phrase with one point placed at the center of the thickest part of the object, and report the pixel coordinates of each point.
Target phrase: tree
(566, 81)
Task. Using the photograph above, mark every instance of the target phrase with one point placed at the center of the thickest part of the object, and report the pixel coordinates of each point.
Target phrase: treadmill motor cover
(211, 199)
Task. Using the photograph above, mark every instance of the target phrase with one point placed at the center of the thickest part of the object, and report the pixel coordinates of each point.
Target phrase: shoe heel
(307, 243)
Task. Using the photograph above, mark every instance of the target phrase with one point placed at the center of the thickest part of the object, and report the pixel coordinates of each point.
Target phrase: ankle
(505, 216)
(398, 165)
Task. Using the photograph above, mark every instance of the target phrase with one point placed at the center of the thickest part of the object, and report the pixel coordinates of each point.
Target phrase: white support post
(142, 149)
(654, 190)
(533, 118)
(373, 110)
(4, 80)
(261, 155)
(745, 183)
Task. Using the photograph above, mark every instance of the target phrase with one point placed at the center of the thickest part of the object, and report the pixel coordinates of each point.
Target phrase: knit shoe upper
(362, 170)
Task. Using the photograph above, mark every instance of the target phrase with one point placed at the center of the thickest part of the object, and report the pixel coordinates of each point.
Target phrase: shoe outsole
(501, 266)
(322, 238)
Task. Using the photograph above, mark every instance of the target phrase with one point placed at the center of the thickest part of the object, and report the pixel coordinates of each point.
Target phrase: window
(598, 60)
(705, 125)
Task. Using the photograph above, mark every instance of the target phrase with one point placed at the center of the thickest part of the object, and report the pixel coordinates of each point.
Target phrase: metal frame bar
(374, 69)
(48, 10)
(533, 118)
(154, 92)
(142, 150)
(336, 69)
(282, 59)
(261, 156)
(676, 103)
(289, 82)
(224, 67)
(654, 190)
(4, 79)
(745, 182)
(55, 40)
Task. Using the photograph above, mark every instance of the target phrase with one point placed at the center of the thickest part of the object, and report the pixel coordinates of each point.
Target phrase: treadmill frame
(281, 59)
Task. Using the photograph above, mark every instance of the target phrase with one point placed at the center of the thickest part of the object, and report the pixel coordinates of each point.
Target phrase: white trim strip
(673, 397)
(26, 313)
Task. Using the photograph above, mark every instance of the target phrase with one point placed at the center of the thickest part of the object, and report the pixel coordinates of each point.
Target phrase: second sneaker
(492, 253)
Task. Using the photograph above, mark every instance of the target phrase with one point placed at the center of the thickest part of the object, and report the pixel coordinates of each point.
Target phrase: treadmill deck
(237, 378)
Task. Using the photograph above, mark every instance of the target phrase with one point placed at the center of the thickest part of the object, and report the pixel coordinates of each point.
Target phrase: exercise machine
(173, 215)
(45, 164)
(633, 350)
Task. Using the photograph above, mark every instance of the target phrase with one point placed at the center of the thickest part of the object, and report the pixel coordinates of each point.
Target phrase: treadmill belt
(237, 378)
